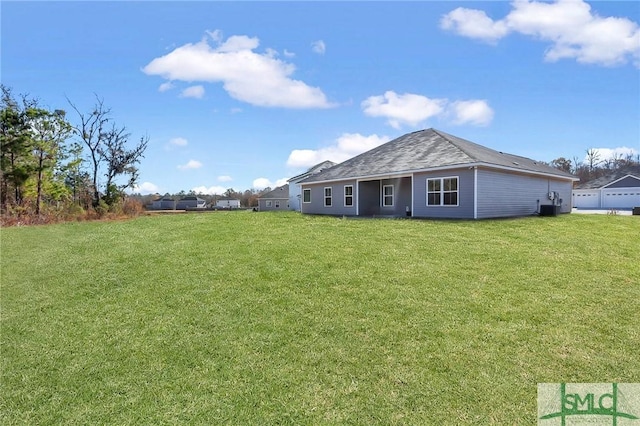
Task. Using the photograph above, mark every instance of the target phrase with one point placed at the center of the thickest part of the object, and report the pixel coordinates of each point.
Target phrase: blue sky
(247, 94)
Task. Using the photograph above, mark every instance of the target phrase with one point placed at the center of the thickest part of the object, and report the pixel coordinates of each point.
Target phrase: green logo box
(592, 404)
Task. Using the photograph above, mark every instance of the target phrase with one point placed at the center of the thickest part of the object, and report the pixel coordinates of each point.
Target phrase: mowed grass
(279, 318)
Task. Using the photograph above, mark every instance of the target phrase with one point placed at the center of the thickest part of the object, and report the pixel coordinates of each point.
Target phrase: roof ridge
(448, 137)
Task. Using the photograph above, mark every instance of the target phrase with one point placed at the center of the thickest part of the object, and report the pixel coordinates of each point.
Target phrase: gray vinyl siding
(369, 198)
(337, 208)
(262, 204)
(502, 194)
(464, 209)
(627, 182)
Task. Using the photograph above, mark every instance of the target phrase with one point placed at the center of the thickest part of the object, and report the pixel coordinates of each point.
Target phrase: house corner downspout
(475, 192)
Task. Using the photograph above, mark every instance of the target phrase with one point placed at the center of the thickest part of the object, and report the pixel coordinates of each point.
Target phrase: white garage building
(618, 191)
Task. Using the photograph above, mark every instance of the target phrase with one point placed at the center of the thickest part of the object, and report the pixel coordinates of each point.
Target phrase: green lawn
(279, 318)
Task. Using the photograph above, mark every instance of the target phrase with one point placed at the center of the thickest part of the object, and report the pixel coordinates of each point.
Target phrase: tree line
(594, 166)
(52, 167)
(248, 198)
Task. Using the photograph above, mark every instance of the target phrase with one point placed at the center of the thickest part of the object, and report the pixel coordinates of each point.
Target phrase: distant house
(190, 202)
(295, 191)
(618, 190)
(432, 174)
(228, 203)
(277, 199)
(163, 203)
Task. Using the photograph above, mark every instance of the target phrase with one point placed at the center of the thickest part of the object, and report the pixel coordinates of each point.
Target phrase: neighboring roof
(191, 198)
(601, 182)
(429, 149)
(165, 197)
(280, 193)
(313, 170)
(227, 199)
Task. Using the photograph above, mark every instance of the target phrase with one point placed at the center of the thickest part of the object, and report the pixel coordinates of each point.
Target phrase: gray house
(618, 190)
(164, 203)
(433, 174)
(277, 199)
(295, 191)
(190, 202)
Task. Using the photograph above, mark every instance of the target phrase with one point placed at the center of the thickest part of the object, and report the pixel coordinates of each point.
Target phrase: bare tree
(107, 144)
(92, 132)
(120, 160)
(593, 159)
(562, 164)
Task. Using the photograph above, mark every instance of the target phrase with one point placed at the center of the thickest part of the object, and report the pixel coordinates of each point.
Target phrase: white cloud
(193, 92)
(145, 188)
(191, 164)
(346, 146)
(178, 142)
(604, 154)
(212, 190)
(288, 54)
(248, 76)
(262, 183)
(573, 30)
(476, 112)
(412, 109)
(319, 47)
(167, 85)
(225, 178)
(402, 109)
(474, 24)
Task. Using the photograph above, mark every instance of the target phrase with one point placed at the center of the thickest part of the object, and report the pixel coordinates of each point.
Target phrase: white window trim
(303, 191)
(268, 203)
(328, 197)
(345, 196)
(442, 191)
(393, 196)
(276, 204)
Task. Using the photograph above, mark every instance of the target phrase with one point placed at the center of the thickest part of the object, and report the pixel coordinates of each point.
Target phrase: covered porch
(385, 197)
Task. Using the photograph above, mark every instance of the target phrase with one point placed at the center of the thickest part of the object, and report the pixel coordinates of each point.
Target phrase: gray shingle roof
(313, 169)
(424, 150)
(280, 193)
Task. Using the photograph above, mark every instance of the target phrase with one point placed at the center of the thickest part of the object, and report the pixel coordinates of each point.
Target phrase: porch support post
(357, 197)
(413, 196)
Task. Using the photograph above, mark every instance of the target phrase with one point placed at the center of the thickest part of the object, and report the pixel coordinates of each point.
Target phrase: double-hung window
(306, 195)
(387, 195)
(327, 196)
(348, 195)
(442, 191)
